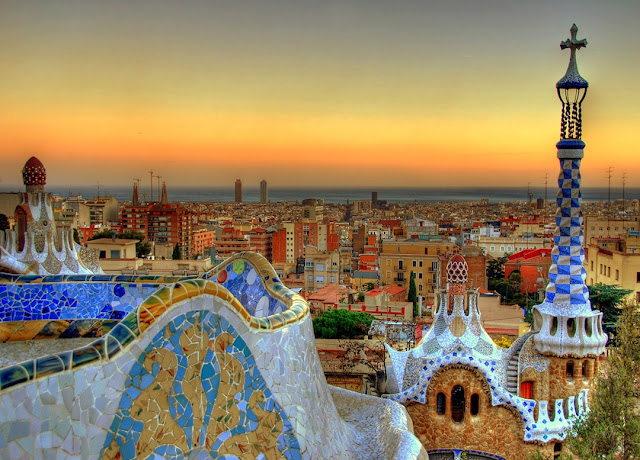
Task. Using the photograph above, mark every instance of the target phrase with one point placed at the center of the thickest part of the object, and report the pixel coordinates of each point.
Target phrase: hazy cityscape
(319, 230)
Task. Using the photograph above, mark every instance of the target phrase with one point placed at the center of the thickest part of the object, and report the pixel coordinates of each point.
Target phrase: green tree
(341, 324)
(4, 222)
(143, 247)
(608, 299)
(495, 269)
(611, 428)
(515, 281)
(76, 236)
(177, 254)
(413, 293)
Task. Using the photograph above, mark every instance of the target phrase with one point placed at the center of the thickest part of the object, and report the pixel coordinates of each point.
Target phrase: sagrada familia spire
(565, 322)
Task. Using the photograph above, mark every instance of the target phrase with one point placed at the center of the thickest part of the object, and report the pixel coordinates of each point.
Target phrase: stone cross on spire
(573, 42)
(572, 78)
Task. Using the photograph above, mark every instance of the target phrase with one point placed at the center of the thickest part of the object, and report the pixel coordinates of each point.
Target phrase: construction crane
(151, 173)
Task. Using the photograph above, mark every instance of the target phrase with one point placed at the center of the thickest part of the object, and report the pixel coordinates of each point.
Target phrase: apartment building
(102, 210)
(601, 227)
(416, 226)
(135, 218)
(203, 240)
(232, 241)
(171, 224)
(321, 268)
(500, 246)
(615, 261)
(399, 258)
(261, 241)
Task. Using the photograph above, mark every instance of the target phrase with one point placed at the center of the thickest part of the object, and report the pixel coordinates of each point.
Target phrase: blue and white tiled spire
(566, 324)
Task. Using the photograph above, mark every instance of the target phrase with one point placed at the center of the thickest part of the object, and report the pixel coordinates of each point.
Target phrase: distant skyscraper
(374, 199)
(264, 193)
(238, 191)
(164, 198)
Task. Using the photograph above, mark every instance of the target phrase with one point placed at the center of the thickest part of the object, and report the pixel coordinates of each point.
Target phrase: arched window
(570, 370)
(475, 404)
(557, 449)
(584, 369)
(457, 404)
(441, 403)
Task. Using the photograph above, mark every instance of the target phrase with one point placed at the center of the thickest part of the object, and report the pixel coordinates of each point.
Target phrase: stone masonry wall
(561, 386)
(495, 430)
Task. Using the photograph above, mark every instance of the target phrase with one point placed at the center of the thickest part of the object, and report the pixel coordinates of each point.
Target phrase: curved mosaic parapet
(191, 373)
(70, 306)
(140, 319)
(240, 273)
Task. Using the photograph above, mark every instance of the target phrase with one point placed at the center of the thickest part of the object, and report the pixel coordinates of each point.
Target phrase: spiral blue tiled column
(565, 323)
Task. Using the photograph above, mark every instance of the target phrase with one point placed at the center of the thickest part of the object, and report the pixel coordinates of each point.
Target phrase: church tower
(566, 325)
(164, 199)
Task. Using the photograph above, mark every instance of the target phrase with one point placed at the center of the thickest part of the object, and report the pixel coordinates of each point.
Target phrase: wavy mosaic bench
(219, 367)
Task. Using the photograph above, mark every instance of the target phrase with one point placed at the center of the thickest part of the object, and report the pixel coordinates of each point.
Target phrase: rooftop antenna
(609, 176)
(158, 177)
(546, 180)
(624, 177)
(151, 173)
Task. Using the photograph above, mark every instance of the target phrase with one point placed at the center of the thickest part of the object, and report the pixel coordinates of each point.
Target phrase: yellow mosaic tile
(164, 294)
(7, 329)
(155, 306)
(178, 293)
(28, 330)
(145, 318)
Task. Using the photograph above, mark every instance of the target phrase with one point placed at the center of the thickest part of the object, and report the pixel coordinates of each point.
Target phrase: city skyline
(319, 94)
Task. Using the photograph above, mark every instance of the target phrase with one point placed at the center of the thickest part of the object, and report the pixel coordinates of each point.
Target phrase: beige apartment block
(399, 258)
(114, 248)
(321, 268)
(289, 228)
(500, 246)
(524, 229)
(601, 227)
(618, 266)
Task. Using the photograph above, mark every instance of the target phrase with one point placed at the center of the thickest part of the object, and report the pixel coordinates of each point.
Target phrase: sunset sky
(318, 93)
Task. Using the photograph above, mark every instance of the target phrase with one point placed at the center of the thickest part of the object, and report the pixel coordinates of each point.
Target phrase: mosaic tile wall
(243, 280)
(71, 306)
(92, 401)
(199, 369)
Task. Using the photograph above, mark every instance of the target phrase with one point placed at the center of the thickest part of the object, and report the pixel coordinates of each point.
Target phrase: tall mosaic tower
(566, 324)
